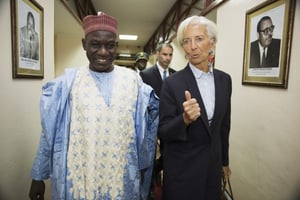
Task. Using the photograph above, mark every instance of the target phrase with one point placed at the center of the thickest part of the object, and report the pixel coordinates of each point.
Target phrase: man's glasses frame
(267, 30)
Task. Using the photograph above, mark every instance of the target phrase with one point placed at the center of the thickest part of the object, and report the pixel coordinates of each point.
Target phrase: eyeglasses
(267, 30)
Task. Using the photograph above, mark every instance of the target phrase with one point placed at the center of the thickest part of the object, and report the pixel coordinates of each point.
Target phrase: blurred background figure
(141, 60)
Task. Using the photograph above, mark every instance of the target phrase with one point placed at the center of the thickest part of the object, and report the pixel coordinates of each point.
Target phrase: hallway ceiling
(136, 17)
(153, 21)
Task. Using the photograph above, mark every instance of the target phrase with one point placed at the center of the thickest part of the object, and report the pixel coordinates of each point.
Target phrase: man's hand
(37, 190)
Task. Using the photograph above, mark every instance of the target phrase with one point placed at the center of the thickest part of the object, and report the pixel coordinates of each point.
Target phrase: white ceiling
(140, 17)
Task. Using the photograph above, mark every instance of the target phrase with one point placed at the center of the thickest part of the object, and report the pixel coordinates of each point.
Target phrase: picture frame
(269, 26)
(27, 28)
(71, 7)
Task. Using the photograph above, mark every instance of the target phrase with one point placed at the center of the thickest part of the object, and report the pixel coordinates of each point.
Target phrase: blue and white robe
(95, 140)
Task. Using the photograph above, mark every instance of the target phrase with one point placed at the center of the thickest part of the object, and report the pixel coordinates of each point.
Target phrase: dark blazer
(194, 155)
(152, 77)
(272, 57)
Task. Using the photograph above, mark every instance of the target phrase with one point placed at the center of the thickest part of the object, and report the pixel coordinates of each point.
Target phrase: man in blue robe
(99, 125)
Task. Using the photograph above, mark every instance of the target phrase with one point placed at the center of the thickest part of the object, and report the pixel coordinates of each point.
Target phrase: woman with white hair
(195, 107)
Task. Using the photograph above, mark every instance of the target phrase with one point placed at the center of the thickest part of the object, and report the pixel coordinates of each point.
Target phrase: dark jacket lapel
(193, 88)
(156, 73)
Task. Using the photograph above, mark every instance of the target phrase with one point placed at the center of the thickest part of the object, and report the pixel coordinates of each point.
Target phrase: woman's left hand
(226, 172)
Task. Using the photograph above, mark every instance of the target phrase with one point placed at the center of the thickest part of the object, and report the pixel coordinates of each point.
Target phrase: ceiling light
(128, 37)
(125, 55)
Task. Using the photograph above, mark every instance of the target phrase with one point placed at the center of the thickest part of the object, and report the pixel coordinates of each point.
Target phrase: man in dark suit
(154, 77)
(265, 51)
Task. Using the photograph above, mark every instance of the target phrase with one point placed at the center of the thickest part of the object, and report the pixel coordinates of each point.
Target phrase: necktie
(263, 59)
(165, 74)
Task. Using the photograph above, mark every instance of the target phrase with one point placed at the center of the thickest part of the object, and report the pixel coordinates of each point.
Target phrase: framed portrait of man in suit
(267, 47)
(27, 39)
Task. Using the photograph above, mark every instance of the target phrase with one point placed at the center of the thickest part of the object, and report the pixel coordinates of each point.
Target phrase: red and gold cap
(100, 22)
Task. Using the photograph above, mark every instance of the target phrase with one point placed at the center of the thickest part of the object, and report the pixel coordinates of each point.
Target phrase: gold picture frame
(27, 25)
(269, 28)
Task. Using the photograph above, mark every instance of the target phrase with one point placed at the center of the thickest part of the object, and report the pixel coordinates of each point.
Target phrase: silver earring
(211, 52)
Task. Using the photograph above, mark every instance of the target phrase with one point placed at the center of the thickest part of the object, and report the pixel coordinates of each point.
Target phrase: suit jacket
(152, 77)
(194, 155)
(272, 57)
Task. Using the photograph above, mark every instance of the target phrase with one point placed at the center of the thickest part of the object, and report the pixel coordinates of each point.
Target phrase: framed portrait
(27, 22)
(268, 39)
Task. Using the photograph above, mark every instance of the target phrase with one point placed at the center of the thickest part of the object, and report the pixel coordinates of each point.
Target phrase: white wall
(264, 153)
(19, 105)
(68, 52)
(68, 46)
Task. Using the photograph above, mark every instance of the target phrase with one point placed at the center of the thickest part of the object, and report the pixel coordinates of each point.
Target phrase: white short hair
(210, 26)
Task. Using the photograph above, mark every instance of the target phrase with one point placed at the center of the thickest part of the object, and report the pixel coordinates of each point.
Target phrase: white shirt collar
(261, 49)
(161, 69)
(198, 72)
